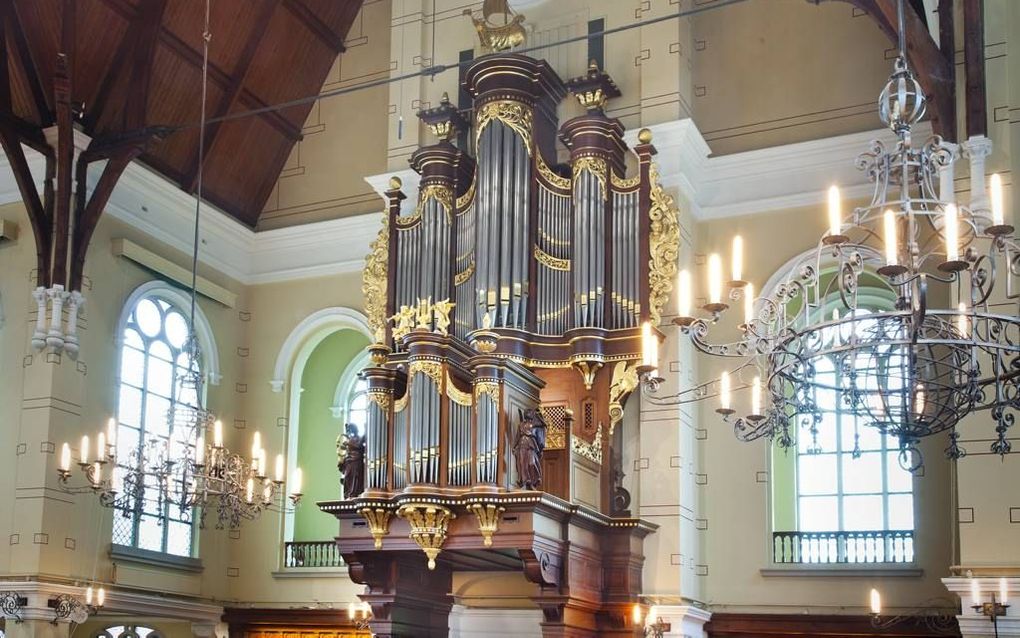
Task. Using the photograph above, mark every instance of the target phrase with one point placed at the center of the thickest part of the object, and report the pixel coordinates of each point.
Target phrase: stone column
(977, 149)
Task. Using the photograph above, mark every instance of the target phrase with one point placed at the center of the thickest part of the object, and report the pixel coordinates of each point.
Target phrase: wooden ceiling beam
(222, 80)
(233, 91)
(974, 67)
(147, 28)
(29, 68)
(934, 71)
(319, 28)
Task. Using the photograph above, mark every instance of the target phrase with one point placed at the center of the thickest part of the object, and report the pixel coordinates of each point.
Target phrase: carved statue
(441, 314)
(529, 444)
(498, 37)
(350, 449)
(403, 322)
(424, 314)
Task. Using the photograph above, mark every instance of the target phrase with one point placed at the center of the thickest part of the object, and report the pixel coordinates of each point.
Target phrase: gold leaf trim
(625, 183)
(548, 174)
(456, 395)
(432, 369)
(382, 399)
(490, 388)
(552, 240)
(440, 193)
(428, 525)
(624, 381)
(514, 114)
(591, 451)
(463, 276)
(549, 261)
(373, 281)
(597, 167)
(465, 200)
(401, 403)
(664, 244)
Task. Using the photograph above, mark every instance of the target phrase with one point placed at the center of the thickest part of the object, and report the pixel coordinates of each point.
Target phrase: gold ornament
(495, 37)
(488, 515)
(625, 380)
(514, 114)
(465, 200)
(455, 394)
(551, 262)
(432, 369)
(664, 244)
(428, 527)
(440, 193)
(378, 520)
(549, 175)
(395, 183)
(381, 399)
(597, 167)
(373, 279)
(441, 313)
(591, 451)
(424, 315)
(588, 370)
(403, 322)
(461, 278)
(625, 183)
(645, 136)
(490, 388)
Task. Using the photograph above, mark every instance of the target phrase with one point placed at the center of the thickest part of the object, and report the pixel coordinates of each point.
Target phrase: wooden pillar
(407, 599)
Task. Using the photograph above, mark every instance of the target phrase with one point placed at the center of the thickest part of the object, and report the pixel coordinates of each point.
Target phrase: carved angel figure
(441, 313)
(529, 444)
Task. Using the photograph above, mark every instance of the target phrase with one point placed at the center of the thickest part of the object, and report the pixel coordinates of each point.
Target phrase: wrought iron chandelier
(183, 470)
(947, 345)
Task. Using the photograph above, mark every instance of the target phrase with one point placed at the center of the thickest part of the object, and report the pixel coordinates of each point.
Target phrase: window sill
(905, 570)
(157, 559)
(311, 572)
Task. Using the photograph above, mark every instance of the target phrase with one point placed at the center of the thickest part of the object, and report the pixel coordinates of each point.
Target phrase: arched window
(153, 360)
(128, 631)
(350, 401)
(842, 496)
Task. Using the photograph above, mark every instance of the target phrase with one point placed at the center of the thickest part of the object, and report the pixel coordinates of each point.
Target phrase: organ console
(508, 302)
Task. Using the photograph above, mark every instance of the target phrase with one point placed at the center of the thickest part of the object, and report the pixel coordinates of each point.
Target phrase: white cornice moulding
(777, 178)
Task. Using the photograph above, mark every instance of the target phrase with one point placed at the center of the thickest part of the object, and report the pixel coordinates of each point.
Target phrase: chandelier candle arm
(715, 303)
(84, 451)
(953, 263)
(685, 314)
(999, 226)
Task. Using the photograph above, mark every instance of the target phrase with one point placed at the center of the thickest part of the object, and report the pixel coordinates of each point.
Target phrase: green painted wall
(317, 432)
(784, 489)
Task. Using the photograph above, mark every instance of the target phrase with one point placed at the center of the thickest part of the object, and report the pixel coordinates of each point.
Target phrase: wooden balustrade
(312, 554)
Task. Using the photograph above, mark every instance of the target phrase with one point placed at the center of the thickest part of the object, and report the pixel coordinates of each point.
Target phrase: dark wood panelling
(828, 626)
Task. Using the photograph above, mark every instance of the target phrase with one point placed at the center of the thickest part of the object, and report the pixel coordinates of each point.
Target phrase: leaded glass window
(153, 359)
(357, 405)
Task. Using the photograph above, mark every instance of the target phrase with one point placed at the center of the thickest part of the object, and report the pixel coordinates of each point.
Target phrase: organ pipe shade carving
(514, 114)
(373, 280)
(664, 246)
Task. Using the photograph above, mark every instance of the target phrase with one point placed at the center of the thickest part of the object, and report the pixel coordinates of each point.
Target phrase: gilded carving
(428, 524)
(549, 261)
(514, 114)
(456, 395)
(490, 388)
(424, 314)
(488, 515)
(588, 370)
(591, 451)
(373, 279)
(624, 183)
(592, 99)
(624, 381)
(439, 192)
(548, 174)
(462, 277)
(597, 167)
(403, 322)
(441, 315)
(465, 200)
(664, 244)
(494, 36)
(432, 369)
(382, 399)
(378, 520)
(401, 403)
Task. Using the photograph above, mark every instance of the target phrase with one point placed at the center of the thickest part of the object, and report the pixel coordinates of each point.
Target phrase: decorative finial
(645, 136)
(445, 99)
(593, 65)
(395, 183)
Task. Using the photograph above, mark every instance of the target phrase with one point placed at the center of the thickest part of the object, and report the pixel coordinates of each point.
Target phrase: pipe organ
(508, 305)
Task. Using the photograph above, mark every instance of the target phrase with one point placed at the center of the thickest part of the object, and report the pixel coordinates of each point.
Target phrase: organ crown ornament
(500, 28)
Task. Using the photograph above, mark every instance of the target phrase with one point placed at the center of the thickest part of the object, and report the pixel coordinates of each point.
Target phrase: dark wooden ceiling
(262, 52)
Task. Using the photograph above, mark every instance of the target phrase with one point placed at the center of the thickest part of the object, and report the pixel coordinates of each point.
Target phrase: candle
(100, 597)
(296, 480)
(350, 611)
(919, 400)
(714, 278)
(961, 319)
(267, 491)
(952, 233)
(1003, 591)
(636, 615)
(365, 609)
(998, 209)
(653, 615)
(85, 449)
(738, 257)
(683, 286)
(65, 457)
(88, 595)
(249, 489)
(97, 473)
(876, 602)
(975, 593)
(724, 391)
(649, 347)
(890, 238)
(835, 215)
(262, 461)
(218, 434)
(111, 433)
(749, 305)
(200, 451)
(256, 445)
(756, 396)
(279, 468)
(101, 446)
